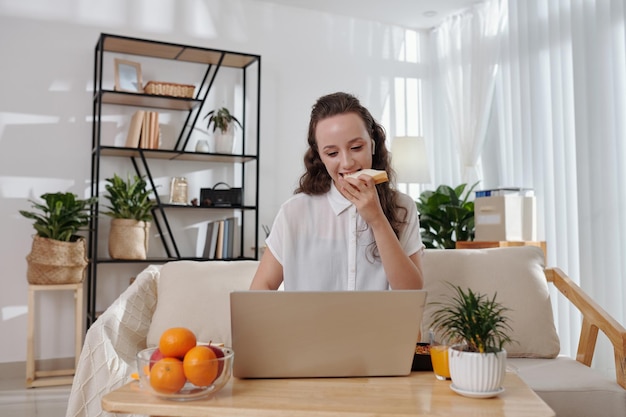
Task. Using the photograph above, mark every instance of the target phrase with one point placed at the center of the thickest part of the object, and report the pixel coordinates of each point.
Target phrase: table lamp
(409, 160)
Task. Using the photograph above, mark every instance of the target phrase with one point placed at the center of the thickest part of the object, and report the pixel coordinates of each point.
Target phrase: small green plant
(61, 217)
(474, 319)
(446, 216)
(128, 199)
(220, 119)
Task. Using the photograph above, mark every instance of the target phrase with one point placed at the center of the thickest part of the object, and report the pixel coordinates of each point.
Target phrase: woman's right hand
(362, 193)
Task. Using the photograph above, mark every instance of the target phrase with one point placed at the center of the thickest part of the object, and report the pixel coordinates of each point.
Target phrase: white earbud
(373, 147)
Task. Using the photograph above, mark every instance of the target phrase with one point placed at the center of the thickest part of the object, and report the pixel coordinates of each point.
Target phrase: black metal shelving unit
(213, 60)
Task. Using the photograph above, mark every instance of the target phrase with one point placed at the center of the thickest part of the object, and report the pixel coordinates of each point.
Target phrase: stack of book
(219, 242)
(143, 131)
(525, 192)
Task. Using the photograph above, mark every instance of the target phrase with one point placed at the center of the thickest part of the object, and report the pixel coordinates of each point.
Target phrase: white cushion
(570, 388)
(195, 295)
(516, 274)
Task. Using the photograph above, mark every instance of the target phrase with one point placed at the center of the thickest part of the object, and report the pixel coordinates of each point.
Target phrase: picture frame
(128, 76)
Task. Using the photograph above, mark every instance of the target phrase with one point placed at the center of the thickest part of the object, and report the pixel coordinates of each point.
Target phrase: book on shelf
(143, 139)
(134, 129)
(219, 249)
(211, 241)
(143, 131)
(229, 235)
(153, 130)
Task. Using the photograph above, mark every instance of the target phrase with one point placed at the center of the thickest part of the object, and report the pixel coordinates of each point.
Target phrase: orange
(176, 341)
(201, 366)
(167, 376)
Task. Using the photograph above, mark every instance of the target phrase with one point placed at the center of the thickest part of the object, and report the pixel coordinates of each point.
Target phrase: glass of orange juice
(439, 358)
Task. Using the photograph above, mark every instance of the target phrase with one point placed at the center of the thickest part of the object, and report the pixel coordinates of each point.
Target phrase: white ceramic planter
(225, 141)
(477, 372)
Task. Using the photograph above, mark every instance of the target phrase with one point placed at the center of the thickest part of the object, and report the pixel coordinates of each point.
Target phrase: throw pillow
(515, 274)
(196, 295)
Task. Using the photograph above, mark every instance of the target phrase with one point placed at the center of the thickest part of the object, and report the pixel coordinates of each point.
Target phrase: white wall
(46, 50)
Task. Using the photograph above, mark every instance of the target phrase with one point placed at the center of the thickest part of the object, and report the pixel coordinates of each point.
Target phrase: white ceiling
(406, 13)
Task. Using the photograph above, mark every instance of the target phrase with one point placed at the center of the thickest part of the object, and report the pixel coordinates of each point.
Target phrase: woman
(339, 233)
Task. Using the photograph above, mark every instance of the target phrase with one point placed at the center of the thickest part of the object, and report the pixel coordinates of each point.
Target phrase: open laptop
(304, 334)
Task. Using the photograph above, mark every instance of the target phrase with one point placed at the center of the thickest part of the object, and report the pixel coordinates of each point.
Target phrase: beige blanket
(108, 356)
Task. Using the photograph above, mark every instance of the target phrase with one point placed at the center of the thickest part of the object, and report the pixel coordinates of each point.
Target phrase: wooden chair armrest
(594, 318)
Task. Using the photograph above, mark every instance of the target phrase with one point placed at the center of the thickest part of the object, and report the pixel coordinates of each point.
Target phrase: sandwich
(377, 175)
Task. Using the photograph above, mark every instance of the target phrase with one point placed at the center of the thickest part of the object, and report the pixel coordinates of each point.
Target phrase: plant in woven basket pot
(58, 253)
(478, 328)
(130, 208)
(222, 124)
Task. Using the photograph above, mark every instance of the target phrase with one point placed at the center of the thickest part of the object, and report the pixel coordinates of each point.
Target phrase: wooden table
(419, 394)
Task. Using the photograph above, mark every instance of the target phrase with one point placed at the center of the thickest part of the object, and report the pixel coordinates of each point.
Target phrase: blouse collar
(337, 201)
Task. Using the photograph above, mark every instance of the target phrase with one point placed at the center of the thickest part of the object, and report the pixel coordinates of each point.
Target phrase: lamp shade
(409, 160)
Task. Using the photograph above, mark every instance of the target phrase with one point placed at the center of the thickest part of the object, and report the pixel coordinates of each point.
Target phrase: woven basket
(160, 88)
(128, 239)
(54, 262)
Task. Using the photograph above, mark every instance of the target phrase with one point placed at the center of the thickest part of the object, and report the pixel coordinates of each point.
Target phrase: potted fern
(131, 210)
(478, 327)
(57, 254)
(222, 124)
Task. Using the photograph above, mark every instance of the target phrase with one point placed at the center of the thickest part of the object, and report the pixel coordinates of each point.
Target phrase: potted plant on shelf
(57, 255)
(222, 123)
(131, 211)
(477, 327)
(446, 216)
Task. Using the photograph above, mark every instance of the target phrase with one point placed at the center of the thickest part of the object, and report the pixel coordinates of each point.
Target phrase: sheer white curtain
(466, 56)
(561, 106)
(558, 126)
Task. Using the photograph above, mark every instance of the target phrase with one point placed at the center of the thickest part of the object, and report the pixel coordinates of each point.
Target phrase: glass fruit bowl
(198, 375)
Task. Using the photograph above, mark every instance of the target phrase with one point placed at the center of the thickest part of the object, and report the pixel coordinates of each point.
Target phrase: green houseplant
(58, 253)
(222, 123)
(446, 216)
(129, 199)
(473, 319)
(221, 119)
(130, 208)
(477, 327)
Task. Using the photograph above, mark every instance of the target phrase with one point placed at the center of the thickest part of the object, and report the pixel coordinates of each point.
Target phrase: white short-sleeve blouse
(323, 244)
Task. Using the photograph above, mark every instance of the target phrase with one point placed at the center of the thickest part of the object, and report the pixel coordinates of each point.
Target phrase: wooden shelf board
(189, 206)
(164, 260)
(164, 50)
(124, 98)
(174, 155)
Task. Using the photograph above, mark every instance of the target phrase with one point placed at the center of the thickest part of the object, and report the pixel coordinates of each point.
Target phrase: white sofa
(195, 295)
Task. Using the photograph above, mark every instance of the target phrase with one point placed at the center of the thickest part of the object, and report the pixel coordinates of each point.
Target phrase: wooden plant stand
(35, 378)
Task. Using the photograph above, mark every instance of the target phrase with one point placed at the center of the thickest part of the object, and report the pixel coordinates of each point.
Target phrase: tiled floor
(18, 401)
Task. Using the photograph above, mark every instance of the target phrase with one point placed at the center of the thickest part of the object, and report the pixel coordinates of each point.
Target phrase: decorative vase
(475, 372)
(203, 146)
(55, 262)
(225, 140)
(128, 239)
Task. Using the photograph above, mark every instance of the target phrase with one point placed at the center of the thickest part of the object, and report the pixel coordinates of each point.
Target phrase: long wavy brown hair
(316, 179)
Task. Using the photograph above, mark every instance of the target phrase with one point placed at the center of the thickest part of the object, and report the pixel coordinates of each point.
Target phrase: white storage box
(506, 217)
